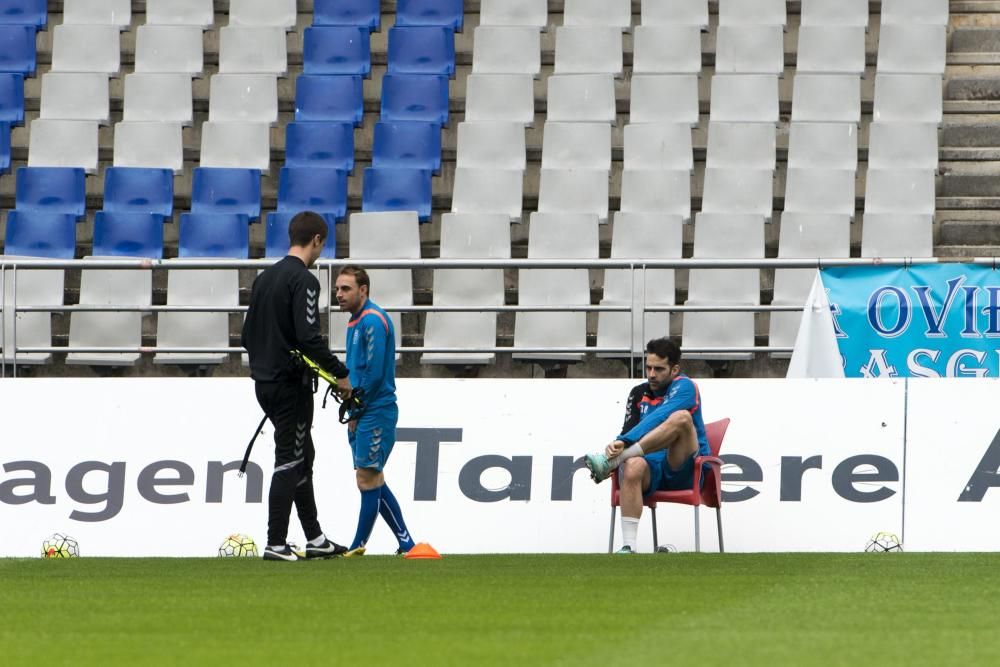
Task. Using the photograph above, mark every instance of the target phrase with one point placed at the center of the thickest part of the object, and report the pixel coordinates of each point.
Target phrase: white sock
(630, 530)
(318, 541)
(629, 452)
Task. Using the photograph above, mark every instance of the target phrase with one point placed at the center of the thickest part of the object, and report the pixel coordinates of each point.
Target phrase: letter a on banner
(816, 353)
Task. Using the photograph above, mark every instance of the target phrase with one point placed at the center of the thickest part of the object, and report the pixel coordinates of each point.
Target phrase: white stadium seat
(666, 49)
(86, 48)
(749, 98)
(180, 12)
(750, 49)
(658, 146)
(252, 50)
(159, 97)
(169, 49)
(243, 97)
(657, 98)
(675, 12)
(63, 143)
(912, 98)
(588, 50)
(826, 98)
(488, 190)
(236, 145)
(582, 98)
(576, 146)
(897, 235)
(149, 144)
(582, 191)
(496, 145)
(823, 145)
(274, 13)
(831, 50)
(820, 191)
(505, 98)
(741, 145)
(216, 287)
(533, 13)
(657, 191)
(100, 12)
(507, 50)
(75, 96)
(617, 13)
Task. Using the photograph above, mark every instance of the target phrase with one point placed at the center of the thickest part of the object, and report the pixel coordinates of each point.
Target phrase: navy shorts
(373, 439)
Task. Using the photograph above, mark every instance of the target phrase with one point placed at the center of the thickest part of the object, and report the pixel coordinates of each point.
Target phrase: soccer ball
(58, 545)
(238, 546)
(884, 542)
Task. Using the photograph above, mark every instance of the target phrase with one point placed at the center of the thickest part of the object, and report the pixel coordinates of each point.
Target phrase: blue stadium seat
(422, 50)
(363, 13)
(216, 190)
(397, 190)
(11, 98)
(52, 190)
(118, 234)
(276, 235)
(40, 234)
(412, 97)
(336, 98)
(407, 144)
(449, 13)
(337, 50)
(131, 189)
(223, 235)
(17, 49)
(320, 144)
(307, 189)
(24, 12)
(4, 147)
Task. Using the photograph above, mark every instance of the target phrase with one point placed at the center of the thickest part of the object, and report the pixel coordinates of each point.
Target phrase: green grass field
(787, 609)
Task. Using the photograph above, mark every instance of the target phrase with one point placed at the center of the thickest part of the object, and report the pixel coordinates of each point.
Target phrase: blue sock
(367, 516)
(389, 509)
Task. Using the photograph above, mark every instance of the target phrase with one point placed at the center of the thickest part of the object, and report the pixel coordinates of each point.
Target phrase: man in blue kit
(662, 435)
(371, 360)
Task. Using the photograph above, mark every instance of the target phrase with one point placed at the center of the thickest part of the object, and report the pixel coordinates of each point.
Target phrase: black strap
(246, 456)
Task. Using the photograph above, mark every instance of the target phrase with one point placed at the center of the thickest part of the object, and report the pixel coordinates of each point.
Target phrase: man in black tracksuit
(284, 316)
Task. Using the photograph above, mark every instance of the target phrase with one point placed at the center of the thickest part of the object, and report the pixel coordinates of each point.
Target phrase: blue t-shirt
(371, 355)
(682, 394)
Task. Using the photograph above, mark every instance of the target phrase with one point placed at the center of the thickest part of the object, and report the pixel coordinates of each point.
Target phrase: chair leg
(697, 531)
(611, 533)
(656, 539)
(718, 517)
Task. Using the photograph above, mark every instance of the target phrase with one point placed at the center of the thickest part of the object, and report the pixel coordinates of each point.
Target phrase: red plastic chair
(710, 494)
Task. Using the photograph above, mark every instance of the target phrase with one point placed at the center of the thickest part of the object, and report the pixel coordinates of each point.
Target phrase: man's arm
(374, 335)
(632, 414)
(683, 396)
(308, 337)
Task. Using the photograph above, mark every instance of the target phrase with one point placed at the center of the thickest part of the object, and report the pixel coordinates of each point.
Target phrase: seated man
(662, 436)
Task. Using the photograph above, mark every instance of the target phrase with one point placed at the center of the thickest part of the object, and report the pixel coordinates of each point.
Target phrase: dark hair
(360, 275)
(666, 349)
(304, 227)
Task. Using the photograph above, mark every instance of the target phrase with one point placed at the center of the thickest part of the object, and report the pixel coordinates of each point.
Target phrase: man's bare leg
(635, 479)
(677, 435)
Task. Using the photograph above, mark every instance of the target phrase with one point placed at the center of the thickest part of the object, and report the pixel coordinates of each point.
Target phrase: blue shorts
(373, 439)
(663, 478)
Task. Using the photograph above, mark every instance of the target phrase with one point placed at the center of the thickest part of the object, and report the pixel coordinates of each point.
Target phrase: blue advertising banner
(931, 320)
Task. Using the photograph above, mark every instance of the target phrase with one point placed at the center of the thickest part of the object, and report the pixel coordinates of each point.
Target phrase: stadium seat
(86, 48)
(928, 12)
(902, 146)
(750, 49)
(911, 49)
(169, 49)
(414, 97)
(129, 190)
(149, 144)
(658, 146)
(361, 13)
(391, 189)
(448, 13)
(833, 13)
(666, 49)
(467, 236)
(40, 234)
(534, 13)
(914, 98)
(823, 145)
(900, 191)
(656, 191)
(743, 13)
(507, 50)
(320, 144)
(309, 189)
(831, 50)
(222, 235)
(166, 98)
(100, 12)
(734, 191)
(128, 234)
(237, 145)
(617, 13)
(751, 98)
(555, 236)
(329, 98)
(582, 98)
(51, 190)
(639, 236)
(496, 145)
(741, 145)
(500, 98)
(675, 12)
(68, 96)
(252, 98)
(587, 49)
(11, 98)
(252, 50)
(826, 98)
(213, 287)
(343, 50)
(580, 191)
(63, 143)
(488, 190)
(421, 50)
(226, 191)
(707, 493)
(274, 13)
(576, 146)
(897, 235)
(407, 144)
(820, 191)
(24, 12)
(276, 241)
(180, 12)
(17, 49)
(4, 147)
(664, 99)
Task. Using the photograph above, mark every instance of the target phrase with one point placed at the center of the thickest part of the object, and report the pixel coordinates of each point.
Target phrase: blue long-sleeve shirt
(371, 355)
(682, 394)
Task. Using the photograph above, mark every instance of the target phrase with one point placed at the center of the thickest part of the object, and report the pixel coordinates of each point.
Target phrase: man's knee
(681, 419)
(633, 469)
(368, 478)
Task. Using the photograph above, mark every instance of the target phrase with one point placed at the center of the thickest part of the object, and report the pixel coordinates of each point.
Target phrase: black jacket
(284, 316)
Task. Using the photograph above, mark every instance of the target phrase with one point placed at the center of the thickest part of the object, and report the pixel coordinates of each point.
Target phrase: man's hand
(344, 388)
(614, 449)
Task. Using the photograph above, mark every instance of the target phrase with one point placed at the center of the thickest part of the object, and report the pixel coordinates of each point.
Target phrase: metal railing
(10, 268)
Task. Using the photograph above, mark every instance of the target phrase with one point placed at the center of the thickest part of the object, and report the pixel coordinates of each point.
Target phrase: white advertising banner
(143, 467)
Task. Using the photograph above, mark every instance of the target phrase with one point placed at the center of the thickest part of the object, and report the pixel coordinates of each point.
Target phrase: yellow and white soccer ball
(883, 542)
(59, 545)
(238, 546)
